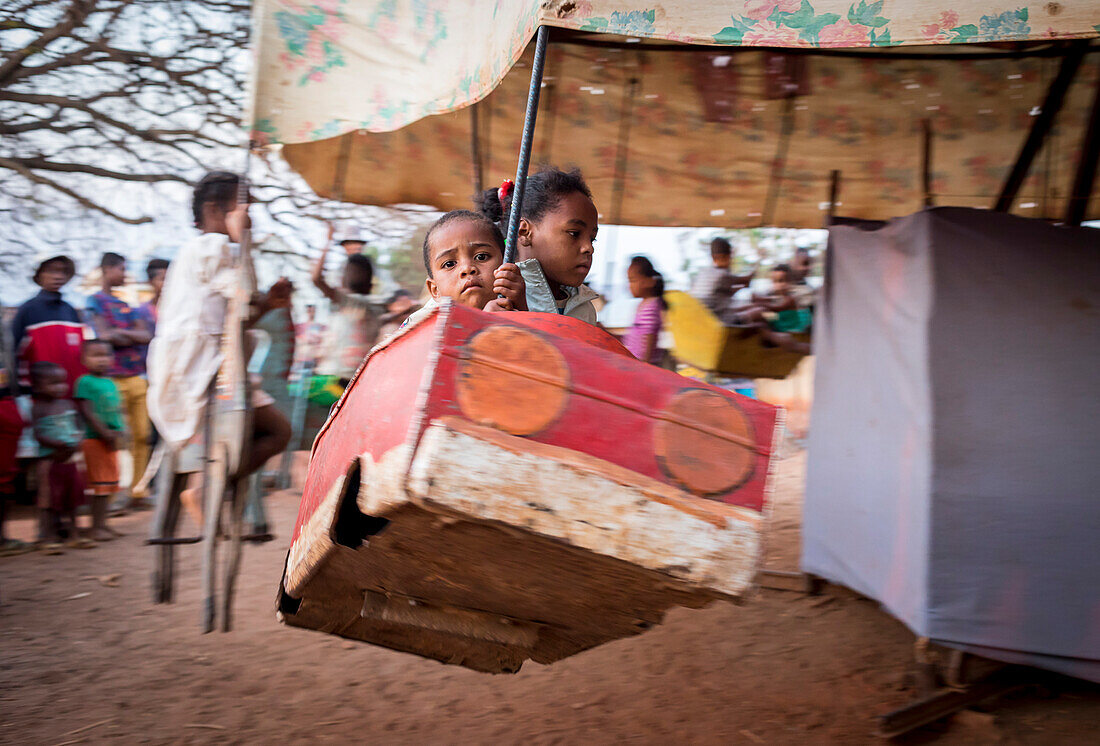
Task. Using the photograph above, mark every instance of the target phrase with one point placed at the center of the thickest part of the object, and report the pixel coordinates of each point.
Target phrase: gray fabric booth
(954, 462)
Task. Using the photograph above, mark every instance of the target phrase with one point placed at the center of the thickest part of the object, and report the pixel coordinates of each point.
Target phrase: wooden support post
(926, 161)
(834, 195)
(779, 162)
(1056, 94)
(236, 505)
(475, 149)
(340, 178)
(165, 519)
(946, 702)
(1085, 176)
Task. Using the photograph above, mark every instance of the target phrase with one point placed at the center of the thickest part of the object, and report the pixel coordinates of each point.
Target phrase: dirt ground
(85, 657)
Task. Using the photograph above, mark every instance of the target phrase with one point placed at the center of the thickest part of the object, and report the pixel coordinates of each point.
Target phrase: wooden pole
(926, 161)
(475, 149)
(341, 177)
(1085, 177)
(779, 162)
(834, 195)
(1056, 94)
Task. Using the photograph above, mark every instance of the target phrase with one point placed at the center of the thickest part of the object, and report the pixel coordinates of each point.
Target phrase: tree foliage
(109, 108)
(98, 92)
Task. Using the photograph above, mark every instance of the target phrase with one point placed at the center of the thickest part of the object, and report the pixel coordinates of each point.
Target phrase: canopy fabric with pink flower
(374, 101)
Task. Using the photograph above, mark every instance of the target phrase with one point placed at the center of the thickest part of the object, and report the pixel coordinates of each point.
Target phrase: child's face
(400, 304)
(722, 261)
(464, 254)
(353, 247)
(114, 276)
(214, 215)
(640, 285)
(356, 279)
(98, 358)
(157, 280)
(54, 386)
(780, 282)
(563, 239)
(53, 276)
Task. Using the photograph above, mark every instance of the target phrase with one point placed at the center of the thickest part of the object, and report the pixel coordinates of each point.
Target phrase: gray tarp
(954, 467)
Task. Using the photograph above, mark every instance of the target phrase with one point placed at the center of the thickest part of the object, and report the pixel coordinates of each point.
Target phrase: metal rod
(1085, 177)
(1056, 94)
(525, 143)
(926, 161)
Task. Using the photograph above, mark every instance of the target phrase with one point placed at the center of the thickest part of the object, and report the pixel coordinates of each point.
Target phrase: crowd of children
(77, 411)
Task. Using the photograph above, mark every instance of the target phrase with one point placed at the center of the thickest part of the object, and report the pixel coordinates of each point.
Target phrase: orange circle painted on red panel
(512, 379)
(705, 443)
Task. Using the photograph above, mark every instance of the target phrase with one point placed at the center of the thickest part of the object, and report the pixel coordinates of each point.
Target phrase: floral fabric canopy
(366, 98)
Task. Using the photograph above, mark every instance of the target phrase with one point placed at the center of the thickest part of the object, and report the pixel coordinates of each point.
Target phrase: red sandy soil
(85, 657)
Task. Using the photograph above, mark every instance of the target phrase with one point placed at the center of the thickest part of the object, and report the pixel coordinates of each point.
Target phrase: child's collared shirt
(118, 314)
(105, 399)
(578, 303)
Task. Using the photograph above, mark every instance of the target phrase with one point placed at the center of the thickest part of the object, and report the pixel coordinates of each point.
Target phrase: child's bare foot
(50, 547)
(80, 543)
(102, 534)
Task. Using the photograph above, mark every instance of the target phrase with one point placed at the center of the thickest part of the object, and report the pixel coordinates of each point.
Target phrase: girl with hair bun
(557, 230)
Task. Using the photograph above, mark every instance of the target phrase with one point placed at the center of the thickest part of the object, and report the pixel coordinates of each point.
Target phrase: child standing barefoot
(100, 405)
(60, 487)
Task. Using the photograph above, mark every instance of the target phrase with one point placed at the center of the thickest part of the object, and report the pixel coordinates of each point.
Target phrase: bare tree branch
(84, 201)
(108, 106)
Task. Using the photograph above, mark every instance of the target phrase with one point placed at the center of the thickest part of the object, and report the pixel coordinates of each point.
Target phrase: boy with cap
(46, 328)
(350, 239)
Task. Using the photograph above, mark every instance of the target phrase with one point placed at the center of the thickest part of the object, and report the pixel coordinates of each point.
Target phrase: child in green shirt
(100, 404)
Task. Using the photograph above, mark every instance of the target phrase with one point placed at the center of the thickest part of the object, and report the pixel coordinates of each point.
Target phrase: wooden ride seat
(493, 488)
(704, 342)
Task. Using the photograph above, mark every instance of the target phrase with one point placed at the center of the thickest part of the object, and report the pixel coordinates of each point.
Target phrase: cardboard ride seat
(498, 487)
(702, 341)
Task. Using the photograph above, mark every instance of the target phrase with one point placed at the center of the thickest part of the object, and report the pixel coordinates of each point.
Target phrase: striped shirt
(647, 321)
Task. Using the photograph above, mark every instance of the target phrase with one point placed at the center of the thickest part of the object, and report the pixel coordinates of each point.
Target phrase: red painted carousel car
(498, 487)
